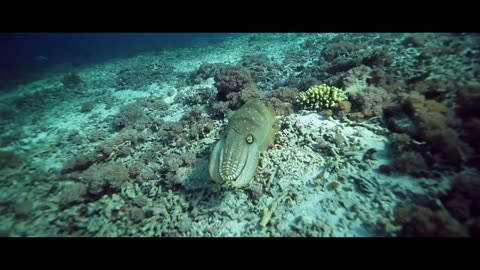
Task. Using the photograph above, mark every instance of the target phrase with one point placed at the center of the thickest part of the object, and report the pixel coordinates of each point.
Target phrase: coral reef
(282, 100)
(205, 71)
(457, 215)
(71, 80)
(424, 222)
(229, 80)
(8, 160)
(140, 76)
(370, 102)
(321, 97)
(400, 156)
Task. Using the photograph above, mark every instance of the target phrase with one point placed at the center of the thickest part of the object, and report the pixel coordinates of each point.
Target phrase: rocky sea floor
(122, 148)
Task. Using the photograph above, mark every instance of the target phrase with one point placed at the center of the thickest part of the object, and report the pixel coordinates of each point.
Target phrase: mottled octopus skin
(236, 155)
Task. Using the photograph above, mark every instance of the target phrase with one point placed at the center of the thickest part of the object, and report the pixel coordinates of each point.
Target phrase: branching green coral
(321, 97)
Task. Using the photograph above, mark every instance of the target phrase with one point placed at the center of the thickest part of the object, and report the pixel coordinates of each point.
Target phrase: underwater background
(239, 134)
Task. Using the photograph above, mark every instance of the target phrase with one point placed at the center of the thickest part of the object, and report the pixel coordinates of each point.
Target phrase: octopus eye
(249, 138)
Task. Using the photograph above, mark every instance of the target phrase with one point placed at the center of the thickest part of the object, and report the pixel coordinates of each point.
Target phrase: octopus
(236, 155)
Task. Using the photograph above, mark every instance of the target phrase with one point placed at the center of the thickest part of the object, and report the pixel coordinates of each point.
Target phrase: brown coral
(436, 126)
(231, 79)
(421, 221)
(371, 101)
(463, 199)
(411, 163)
(72, 193)
(106, 176)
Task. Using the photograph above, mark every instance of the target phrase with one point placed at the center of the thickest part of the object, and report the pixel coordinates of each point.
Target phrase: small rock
(185, 225)
(140, 201)
(385, 169)
(333, 185)
(4, 233)
(136, 214)
(23, 208)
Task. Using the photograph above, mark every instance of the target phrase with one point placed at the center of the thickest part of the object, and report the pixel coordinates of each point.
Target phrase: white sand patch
(128, 96)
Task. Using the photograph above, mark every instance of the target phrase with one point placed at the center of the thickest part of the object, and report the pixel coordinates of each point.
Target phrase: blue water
(22, 55)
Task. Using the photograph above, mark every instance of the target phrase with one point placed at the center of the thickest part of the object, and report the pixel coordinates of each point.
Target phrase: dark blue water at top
(24, 54)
